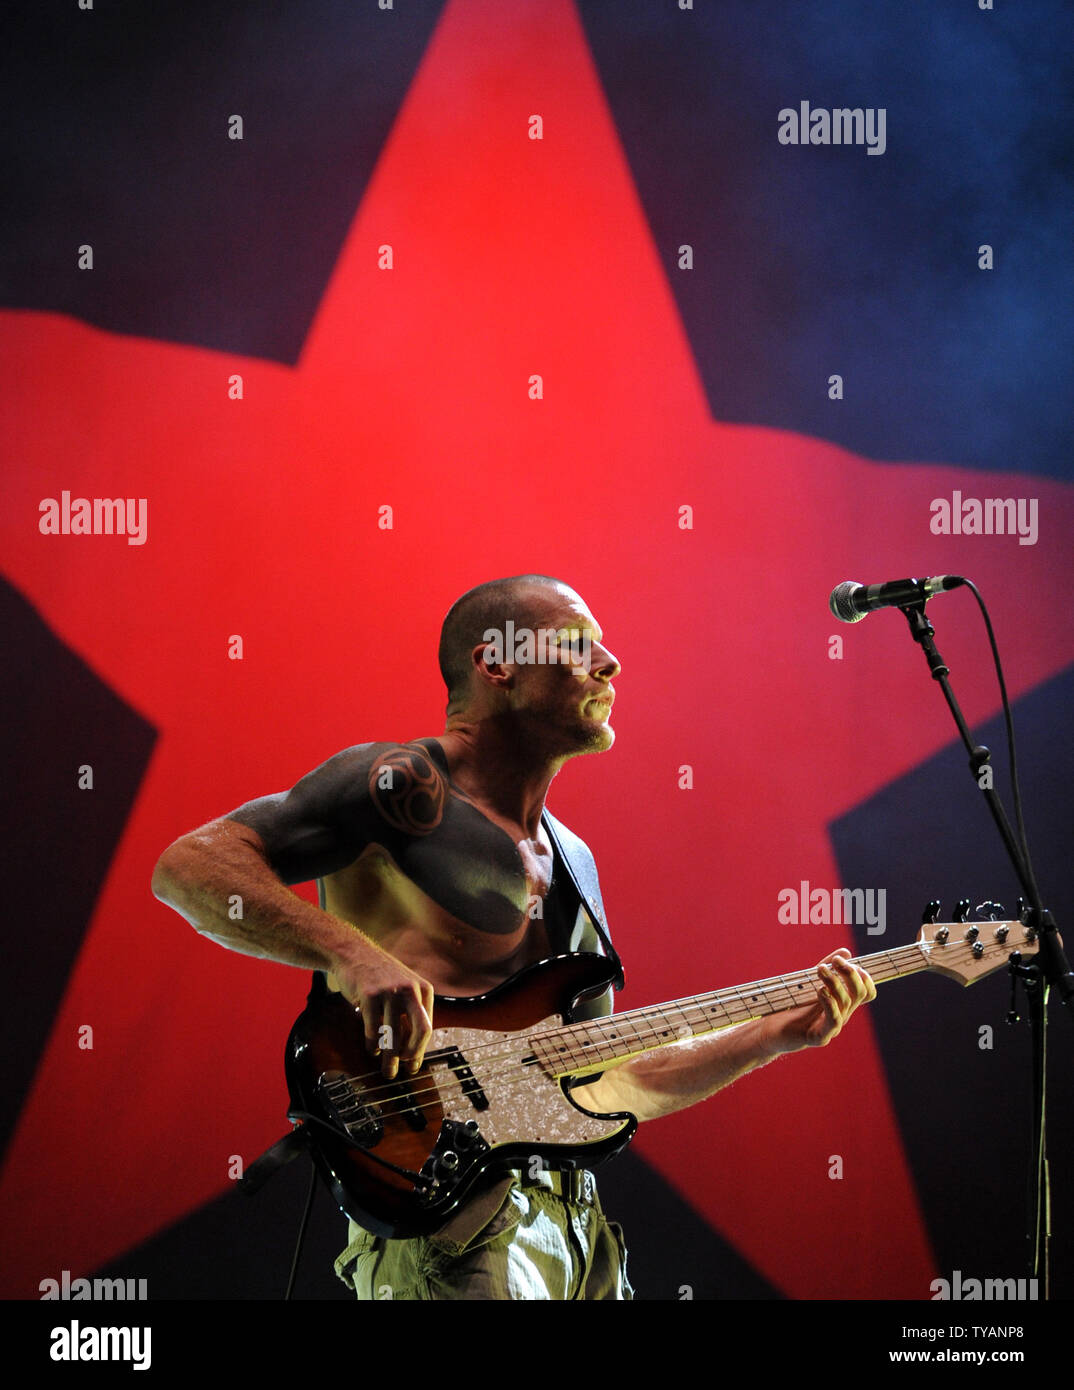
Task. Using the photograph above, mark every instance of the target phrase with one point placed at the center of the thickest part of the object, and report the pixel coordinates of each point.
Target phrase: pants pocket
(489, 1214)
(361, 1246)
(617, 1232)
(376, 1269)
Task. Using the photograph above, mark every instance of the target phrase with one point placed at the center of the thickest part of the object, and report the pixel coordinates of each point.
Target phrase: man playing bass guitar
(442, 874)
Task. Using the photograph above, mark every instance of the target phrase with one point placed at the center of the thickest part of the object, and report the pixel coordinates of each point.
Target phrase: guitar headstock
(967, 951)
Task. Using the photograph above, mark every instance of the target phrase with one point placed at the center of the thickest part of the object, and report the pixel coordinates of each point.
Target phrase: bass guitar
(400, 1156)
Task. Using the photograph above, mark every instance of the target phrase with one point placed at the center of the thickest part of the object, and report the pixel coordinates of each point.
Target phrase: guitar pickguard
(523, 1104)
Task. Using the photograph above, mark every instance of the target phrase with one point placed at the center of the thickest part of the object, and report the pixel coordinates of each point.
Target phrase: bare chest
(465, 927)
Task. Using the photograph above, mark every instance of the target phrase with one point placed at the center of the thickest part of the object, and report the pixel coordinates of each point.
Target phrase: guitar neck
(587, 1047)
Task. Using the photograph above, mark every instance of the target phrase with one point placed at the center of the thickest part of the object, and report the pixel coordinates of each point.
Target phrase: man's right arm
(320, 825)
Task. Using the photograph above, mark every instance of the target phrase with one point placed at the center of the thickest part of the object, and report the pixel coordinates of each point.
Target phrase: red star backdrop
(686, 288)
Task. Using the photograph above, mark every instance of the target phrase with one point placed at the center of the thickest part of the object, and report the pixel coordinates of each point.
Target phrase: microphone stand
(1049, 967)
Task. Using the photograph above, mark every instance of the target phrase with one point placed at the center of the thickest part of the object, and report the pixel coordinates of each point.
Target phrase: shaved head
(471, 616)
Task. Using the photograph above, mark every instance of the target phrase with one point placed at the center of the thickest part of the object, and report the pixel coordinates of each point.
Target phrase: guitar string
(775, 985)
(705, 1002)
(909, 954)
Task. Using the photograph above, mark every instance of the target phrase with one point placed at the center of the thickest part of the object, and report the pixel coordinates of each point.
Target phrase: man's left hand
(844, 986)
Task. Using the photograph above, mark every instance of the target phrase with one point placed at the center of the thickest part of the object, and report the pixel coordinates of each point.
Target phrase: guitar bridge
(362, 1122)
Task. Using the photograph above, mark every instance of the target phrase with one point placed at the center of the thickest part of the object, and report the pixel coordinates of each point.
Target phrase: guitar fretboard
(585, 1047)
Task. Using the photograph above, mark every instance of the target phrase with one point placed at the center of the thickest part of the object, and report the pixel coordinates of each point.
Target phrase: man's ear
(491, 669)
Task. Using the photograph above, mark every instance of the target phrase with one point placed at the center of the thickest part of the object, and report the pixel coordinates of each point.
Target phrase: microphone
(850, 601)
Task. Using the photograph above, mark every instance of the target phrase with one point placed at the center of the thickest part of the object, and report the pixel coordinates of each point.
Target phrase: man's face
(567, 692)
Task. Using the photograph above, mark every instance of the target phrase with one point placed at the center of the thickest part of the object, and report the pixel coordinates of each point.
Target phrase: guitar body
(401, 1156)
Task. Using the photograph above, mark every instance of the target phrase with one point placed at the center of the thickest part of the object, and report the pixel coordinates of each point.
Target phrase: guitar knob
(467, 1135)
(448, 1161)
(1002, 933)
(930, 912)
(978, 950)
(972, 933)
(962, 910)
(941, 935)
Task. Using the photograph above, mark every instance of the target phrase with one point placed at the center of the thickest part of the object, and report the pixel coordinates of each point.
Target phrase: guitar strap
(589, 929)
(575, 856)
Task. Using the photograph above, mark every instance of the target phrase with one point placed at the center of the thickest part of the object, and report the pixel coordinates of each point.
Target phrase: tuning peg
(962, 910)
(930, 912)
(1023, 911)
(992, 911)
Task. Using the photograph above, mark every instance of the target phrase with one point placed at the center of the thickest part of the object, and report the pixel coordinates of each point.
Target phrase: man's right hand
(396, 1006)
(318, 827)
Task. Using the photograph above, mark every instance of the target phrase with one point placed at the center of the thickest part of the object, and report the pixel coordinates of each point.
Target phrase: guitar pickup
(407, 1106)
(455, 1062)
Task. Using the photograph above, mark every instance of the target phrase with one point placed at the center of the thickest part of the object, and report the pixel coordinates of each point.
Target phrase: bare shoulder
(328, 817)
(407, 787)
